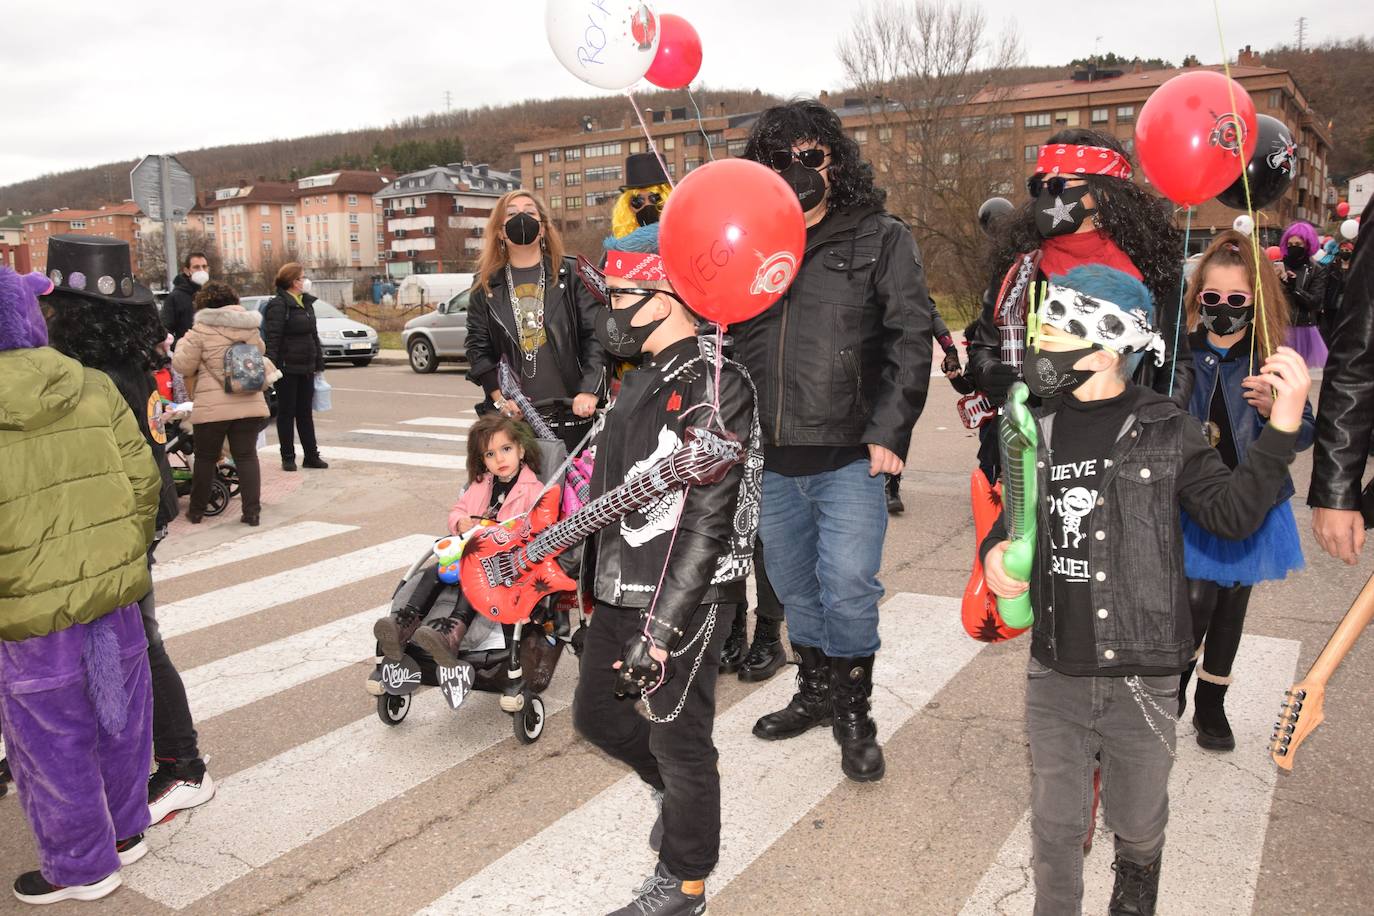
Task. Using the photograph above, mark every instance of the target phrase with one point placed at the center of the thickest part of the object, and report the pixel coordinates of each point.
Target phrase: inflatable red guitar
(981, 620)
(508, 568)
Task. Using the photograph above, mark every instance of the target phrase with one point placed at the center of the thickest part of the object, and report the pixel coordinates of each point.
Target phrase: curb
(391, 358)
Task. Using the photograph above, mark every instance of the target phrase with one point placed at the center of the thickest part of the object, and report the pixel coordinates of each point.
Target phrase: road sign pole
(169, 229)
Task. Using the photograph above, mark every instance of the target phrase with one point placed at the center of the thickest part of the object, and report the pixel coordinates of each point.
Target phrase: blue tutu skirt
(1272, 552)
(1307, 340)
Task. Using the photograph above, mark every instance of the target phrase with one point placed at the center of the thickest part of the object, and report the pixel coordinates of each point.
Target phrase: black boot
(1183, 680)
(1209, 718)
(895, 506)
(861, 758)
(1136, 888)
(394, 631)
(766, 654)
(810, 705)
(732, 655)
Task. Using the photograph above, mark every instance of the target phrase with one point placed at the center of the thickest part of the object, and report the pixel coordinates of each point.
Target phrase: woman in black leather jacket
(293, 345)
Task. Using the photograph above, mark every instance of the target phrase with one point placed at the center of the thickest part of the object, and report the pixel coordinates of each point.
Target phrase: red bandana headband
(635, 265)
(1068, 159)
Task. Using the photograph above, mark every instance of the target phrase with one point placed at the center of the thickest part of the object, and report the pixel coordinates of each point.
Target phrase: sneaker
(656, 832)
(661, 895)
(32, 887)
(131, 850)
(174, 787)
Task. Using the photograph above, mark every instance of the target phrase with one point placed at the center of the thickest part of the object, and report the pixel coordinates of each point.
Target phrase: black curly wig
(783, 126)
(1140, 223)
(104, 336)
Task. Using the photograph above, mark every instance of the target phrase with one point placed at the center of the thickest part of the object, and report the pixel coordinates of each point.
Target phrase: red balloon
(1192, 146)
(1274, 252)
(679, 53)
(732, 236)
(1343, 209)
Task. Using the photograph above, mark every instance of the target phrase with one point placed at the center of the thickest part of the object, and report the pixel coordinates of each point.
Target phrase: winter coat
(569, 310)
(476, 499)
(844, 357)
(200, 359)
(78, 495)
(293, 341)
(1306, 291)
(179, 308)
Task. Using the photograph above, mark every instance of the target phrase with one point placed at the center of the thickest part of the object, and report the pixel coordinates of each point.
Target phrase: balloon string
(714, 403)
(1178, 315)
(701, 127)
(1261, 313)
(653, 147)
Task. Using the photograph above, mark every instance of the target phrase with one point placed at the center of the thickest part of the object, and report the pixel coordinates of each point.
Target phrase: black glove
(951, 361)
(639, 671)
(997, 381)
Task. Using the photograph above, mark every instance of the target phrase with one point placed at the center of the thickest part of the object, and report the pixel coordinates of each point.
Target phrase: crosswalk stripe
(1218, 811)
(237, 680)
(587, 861)
(247, 547)
(411, 394)
(221, 605)
(408, 434)
(315, 787)
(378, 456)
(453, 422)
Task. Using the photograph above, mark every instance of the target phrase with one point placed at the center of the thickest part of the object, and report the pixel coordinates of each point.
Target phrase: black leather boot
(810, 705)
(732, 654)
(1209, 716)
(861, 758)
(1136, 888)
(766, 654)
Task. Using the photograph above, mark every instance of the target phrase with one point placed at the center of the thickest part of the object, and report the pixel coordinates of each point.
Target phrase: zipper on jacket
(852, 367)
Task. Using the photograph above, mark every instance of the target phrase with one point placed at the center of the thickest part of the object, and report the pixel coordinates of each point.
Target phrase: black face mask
(522, 229)
(1222, 319)
(647, 215)
(617, 335)
(1050, 373)
(806, 183)
(1061, 214)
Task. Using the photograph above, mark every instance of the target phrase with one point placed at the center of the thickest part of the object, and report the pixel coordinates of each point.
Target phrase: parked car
(440, 336)
(341, 337)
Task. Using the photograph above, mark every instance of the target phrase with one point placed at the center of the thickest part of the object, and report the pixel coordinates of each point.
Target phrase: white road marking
(378, 456)
(221, 605)
(247, 547)
(452, 422)
(235, 681)
(411, 394)
(407, 434)
(589, 860)
(1218, 810)
(267, 810)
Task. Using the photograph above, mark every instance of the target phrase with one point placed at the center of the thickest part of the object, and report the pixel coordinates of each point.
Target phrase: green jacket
(78, 495)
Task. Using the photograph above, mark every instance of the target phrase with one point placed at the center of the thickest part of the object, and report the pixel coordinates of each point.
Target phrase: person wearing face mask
(842, 362)
(527, 310)
(635, 216)
(179, 309)
(293, 346)
(1303, 281)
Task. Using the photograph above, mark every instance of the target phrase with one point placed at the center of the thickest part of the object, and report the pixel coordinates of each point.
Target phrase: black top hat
(94, 267)
(643, 170)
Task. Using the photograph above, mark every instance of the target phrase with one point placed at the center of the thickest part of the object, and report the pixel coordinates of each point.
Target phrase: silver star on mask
(1062, 213)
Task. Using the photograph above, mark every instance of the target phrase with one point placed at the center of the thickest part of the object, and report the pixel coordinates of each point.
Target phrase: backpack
(244, 369)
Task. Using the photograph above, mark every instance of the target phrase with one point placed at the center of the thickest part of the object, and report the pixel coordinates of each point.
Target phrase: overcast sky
(90, 81)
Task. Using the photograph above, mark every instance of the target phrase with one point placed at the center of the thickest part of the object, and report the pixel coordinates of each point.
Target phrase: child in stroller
(504, 467)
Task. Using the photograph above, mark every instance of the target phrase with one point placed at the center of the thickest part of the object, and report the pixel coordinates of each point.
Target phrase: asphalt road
(322, 808)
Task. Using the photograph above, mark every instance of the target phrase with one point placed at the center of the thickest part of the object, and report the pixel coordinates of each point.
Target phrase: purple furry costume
(75, 704)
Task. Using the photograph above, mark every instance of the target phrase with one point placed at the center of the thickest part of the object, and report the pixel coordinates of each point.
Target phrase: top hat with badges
(643, 170)
(95, 267)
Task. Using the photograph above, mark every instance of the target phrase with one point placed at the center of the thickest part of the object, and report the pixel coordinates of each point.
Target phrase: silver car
(440, 336)
(341, 337)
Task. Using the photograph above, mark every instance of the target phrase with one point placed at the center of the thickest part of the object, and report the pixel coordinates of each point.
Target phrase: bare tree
(152, 257)
(929, 72)
(263, 280)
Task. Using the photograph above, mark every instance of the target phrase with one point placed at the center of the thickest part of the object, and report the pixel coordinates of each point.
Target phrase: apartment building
(339, 222)
(14, 253)
(434, 219)
(119, 221)
(253, 222)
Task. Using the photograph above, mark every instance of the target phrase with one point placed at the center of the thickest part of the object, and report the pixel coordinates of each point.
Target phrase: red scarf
(1063, 253)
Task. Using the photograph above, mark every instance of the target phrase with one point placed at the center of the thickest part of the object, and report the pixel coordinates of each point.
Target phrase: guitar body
(979, 607)
(513, 602)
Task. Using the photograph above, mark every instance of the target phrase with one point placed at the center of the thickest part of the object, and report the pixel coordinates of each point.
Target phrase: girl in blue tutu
(1232, 336)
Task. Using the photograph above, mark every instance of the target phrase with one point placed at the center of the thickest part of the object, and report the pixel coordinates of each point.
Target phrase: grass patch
(389, 340)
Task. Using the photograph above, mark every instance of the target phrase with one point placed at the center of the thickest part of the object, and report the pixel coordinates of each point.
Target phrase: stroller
(180, 447)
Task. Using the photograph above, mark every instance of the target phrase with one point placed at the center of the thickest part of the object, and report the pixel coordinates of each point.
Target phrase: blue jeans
(823, 543)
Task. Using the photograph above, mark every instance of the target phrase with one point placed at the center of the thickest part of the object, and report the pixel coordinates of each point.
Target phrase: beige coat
(199, 357)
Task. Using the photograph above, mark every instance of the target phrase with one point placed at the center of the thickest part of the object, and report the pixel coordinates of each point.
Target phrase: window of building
(290, 227)
(949, 158)
(353, 236)
(357, 255)
(421, 203)
(715, 138)
(572, 179)
(690, 164)
(968, 123)
(555, 203)
(210, 220)
(672, 170)
(861, 135)
(1066, 118)
(78, 224)
(353, 218)
(353, 200)
(884, 135)
(264, 210)
(555, 177)
(1276, 99)
(1004, 122)
(266, 244)
(553, 155)
(266, 227)
(603, 149)
(1100, 115)
(572, 154)
(538, 182)
(1031, 152)
(670, 143)
(538, 158)
(1038, 119)
(574, 203)
(692, 139)
(1125, 114)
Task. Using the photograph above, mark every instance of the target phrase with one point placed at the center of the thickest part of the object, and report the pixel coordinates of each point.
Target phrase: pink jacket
(477, 498)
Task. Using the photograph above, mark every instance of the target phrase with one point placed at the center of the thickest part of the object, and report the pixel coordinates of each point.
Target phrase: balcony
(411, 211)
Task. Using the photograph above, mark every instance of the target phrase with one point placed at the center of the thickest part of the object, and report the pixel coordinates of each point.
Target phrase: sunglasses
(1055, 184)
(594, 279)
(654, 200)
(812, 158)
(1236, 300)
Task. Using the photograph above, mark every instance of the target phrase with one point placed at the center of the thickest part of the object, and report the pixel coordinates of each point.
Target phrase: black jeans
(209, 443)
(296, 411)
(676, 757)
(174, 732)
(768, 606)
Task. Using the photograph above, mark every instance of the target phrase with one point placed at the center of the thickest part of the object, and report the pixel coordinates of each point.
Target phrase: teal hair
(1103, 282)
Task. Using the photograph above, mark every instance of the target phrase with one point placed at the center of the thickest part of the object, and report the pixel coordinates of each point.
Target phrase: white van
(431, 289)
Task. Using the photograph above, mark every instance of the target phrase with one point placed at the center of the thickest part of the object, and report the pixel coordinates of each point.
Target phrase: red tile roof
(128, 208)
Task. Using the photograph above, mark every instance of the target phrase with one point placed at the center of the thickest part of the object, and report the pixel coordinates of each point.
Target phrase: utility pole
(448, 101)
(1302, 31)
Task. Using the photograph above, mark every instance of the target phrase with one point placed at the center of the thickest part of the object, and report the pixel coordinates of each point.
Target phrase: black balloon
(993, 209)
(1271, 168)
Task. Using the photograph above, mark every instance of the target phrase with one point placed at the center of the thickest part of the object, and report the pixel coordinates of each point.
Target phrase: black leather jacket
(569, 311)
(1160, 463)
(289, 330)
(1306, 291)
(1345, 413)
(844, 357)
(714, 544)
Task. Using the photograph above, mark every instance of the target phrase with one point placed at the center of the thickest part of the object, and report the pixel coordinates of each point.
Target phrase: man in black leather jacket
(842, 364)
(1345, 415)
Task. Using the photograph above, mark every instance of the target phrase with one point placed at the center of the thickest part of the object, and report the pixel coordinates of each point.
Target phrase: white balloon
(607, 43)
(1350, 229)
(1244, 224)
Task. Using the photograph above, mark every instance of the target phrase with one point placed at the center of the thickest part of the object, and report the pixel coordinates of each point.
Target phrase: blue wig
(1112, 285)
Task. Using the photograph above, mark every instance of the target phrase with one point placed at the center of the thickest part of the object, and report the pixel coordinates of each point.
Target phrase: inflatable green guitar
(1019, 439)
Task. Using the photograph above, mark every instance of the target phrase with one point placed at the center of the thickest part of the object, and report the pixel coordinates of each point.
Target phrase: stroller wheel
(529, 724)
(392, 709)
(230, 475)
(219, 497)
